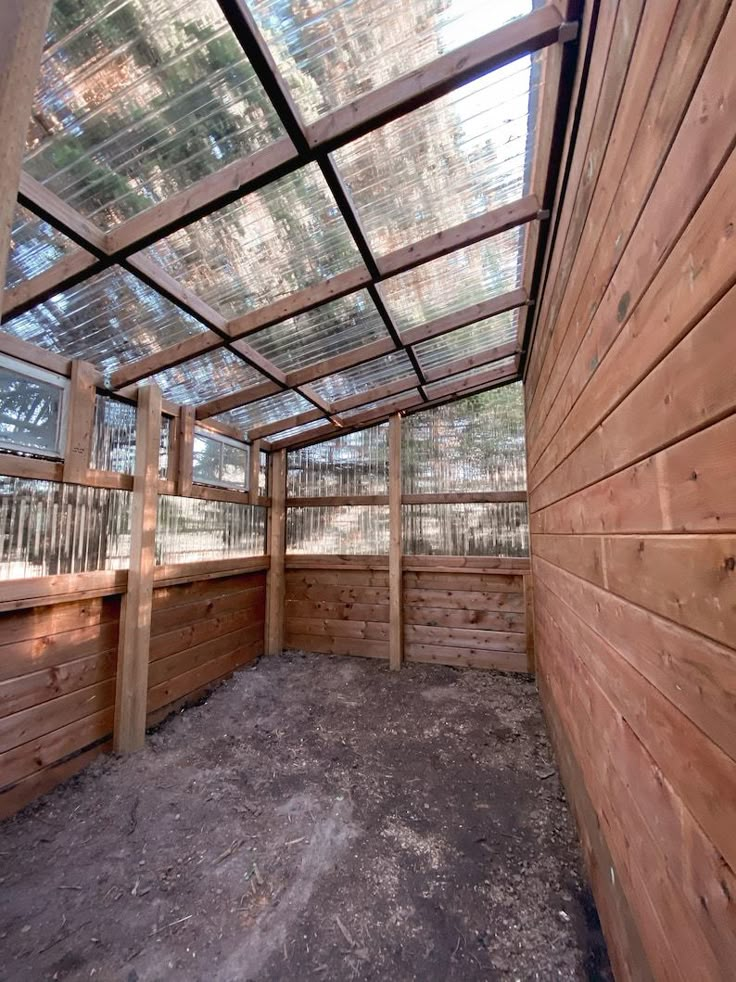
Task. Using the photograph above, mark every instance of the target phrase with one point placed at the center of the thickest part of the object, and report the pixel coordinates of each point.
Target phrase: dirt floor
(316, 818)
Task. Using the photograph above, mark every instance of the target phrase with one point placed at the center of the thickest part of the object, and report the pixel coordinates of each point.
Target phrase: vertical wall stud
(185, 450)
(135, 620)
(255, 470)
(277, 547)
(80, 423)
(396, 627)
(22, 32)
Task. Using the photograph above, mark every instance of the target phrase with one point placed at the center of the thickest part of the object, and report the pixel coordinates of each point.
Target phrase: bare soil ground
(315, 819)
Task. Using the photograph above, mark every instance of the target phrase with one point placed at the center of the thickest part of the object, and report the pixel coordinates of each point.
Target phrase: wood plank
(61, 587)
(484, 378)
(46, 622)
(277, 547)
(208, 568)
(195, 591)
(396, 641)
(186, 659)
(377, 613)
(503, 661)
(185, 451)
(12, 465)
(38, 687)
(486, 357)
(52, 651)
(453, 600)
(461, 497)
(470, 564)
(337, 646)
(340, 594)
(135, 620)
(486, 619)
(524, 35)
(473, 230)
(465, 638)
(468, 315)
(29, 724)
(234, 400)
(254, 470)
(181, 685)
(167, 643)
(338, 363)
(63, 274)
(324, 501)
(296, 578)
(80, 423)
(332, 628)
(476, 582)
(26, 351)
(335, 561)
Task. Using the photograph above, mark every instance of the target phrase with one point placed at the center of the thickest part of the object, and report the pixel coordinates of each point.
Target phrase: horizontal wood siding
(452, 615)
(200, 633)
(57, 693)
(631, 441)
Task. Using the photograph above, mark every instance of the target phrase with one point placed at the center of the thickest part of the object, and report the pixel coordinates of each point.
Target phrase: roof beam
(338, 363)
(63, 275)
(464, 364)
(453, 386)
(268, 429)
(396, 387)
(242, 397)
(468, 315)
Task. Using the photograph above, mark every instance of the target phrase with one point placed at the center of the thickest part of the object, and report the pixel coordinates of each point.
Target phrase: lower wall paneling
(468, 616)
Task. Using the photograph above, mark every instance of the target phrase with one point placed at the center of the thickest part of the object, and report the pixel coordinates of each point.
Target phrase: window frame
(222, 440)
(34, 373)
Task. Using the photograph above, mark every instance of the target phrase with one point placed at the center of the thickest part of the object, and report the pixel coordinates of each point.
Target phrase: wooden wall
(452, 615)
(631, 442)
(58, 662)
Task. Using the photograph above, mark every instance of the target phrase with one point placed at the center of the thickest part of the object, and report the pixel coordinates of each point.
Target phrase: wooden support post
(254, 471)
(80, 422)
(185, 450)
(277, 547)
(395, 585)
(131, 688)
(22, 33)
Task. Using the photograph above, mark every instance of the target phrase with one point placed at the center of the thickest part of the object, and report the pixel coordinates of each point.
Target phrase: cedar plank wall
(631, 441)
(464, 618)
(57, 672)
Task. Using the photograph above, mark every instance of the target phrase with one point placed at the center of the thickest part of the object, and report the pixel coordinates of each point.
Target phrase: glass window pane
(268, 410)
(332, 329)
(207, 460)
(139, 99)
(234, 466)
(347, 530)
(218, 373)
(48, 528)
(355, 463)
(450, 283)
(470, 340)
(474, 444)
(362, 378)
(191, 530)
(111, 319)
(30, 411)
(34, 247)
(445, 163)
(334, 51)
(498, 529)
(271, 243)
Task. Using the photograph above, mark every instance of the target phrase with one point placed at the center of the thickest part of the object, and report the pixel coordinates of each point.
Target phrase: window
(32, 409)
(221, 461)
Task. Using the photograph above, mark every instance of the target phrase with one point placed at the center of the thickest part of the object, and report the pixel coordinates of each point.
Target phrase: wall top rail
(455, 564)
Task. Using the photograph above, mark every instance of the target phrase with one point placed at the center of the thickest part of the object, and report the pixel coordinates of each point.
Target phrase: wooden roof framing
(544, 27)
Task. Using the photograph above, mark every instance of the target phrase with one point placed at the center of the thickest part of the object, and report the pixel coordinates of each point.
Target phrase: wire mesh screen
(350, 530)
(356, 463)
(465, 529)
(48, 528)
(476, 444)
(192, 529)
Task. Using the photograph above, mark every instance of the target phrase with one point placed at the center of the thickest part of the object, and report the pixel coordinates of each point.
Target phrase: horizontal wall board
(504, 661)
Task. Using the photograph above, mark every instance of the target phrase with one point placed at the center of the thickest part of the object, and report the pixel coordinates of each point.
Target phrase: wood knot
(730, 563)
(623, 306)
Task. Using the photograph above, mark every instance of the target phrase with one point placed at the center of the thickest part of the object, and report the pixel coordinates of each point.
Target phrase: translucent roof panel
(271, 243)
(378, 404)
(270, 410)
(465, 379)
(445, 163)
(137, 100)
(111, 319)
(470, 340)
(460, 279)
(332, 329)
(34, 247)
(218, 373)
(298, 430)
(362, 378)
(334, 51)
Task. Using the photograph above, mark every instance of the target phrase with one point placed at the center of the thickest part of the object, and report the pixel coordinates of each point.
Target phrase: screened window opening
(220, 461)
(32, 409)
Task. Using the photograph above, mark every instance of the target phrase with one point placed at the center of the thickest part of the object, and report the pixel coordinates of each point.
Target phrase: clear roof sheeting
(271, 243)
(34, 247)
(218, 373)
(362, 378)
(298, 430)
(111, 319)
(452, 160)
(349, 414)
(334, 51)
(332, 329)
(269, 410)
(470, 340)
(459, 279)
(137, 100)
(465, 379)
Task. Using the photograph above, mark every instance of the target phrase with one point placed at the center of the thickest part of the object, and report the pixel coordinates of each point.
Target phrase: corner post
(184, 450)
(254, 471)
(396, 627)
(80, 423)
(131, 690)
(277, 547)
